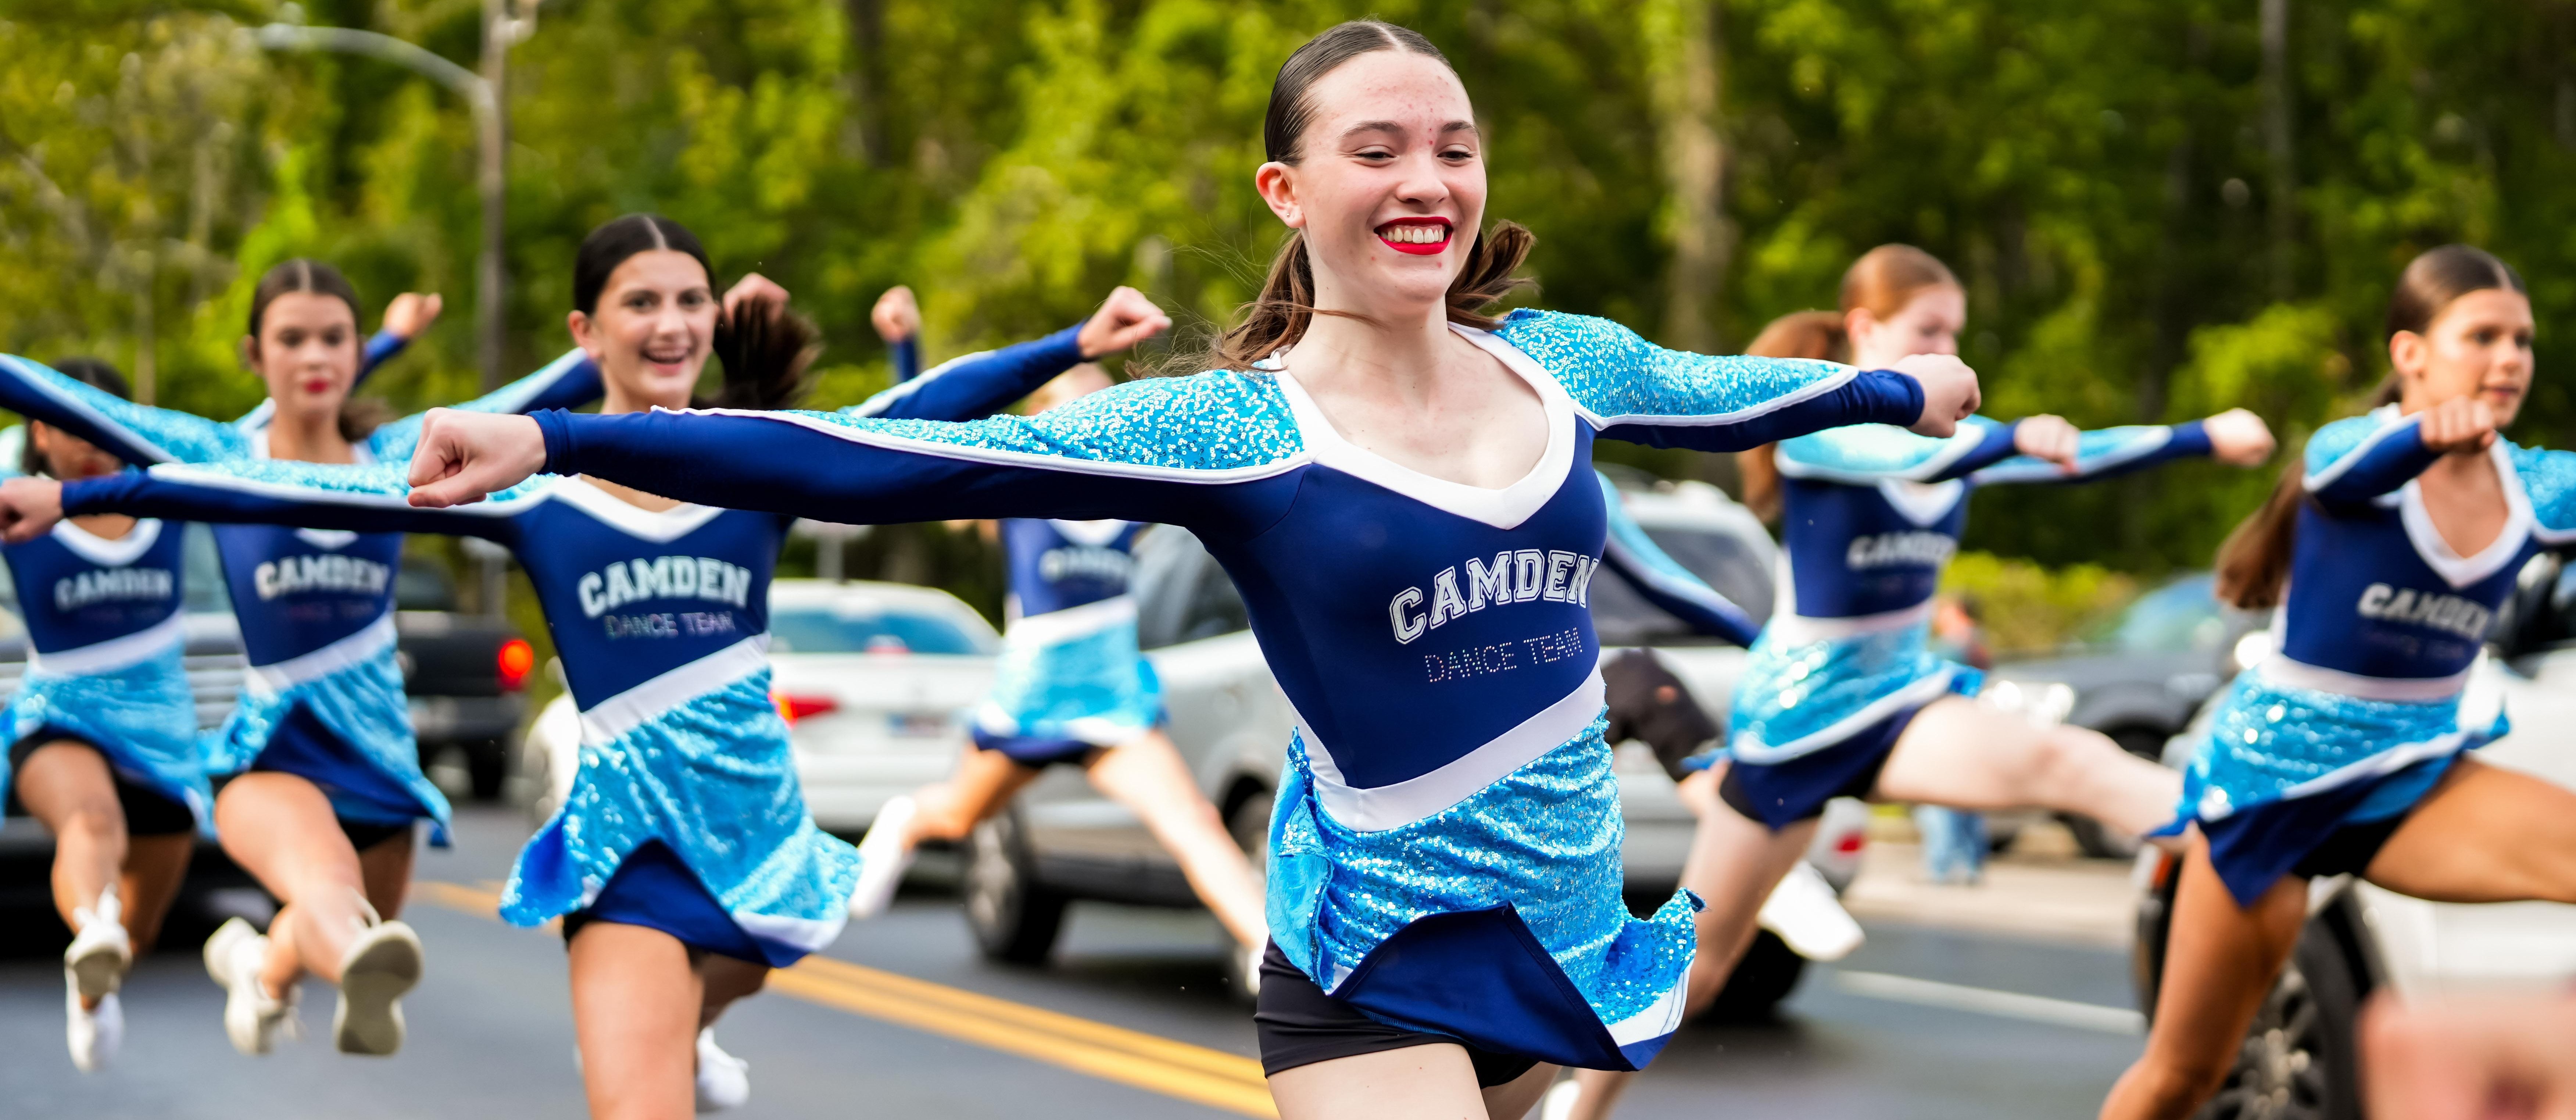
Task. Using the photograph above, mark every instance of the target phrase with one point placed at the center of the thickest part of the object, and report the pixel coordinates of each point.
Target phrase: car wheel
(2297, 1062)
(1014, 918)
(1247, 819)
(2098, 840)
(1769, 971)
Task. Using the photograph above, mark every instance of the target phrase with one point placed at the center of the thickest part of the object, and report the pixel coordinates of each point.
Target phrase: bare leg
(636, 1007)
(2485, 834)
(725, 980)
(1429, 1082)
(68, 786)
(984, 782)
(280, 828)
(1969, 755)
(155, 867)
(385, 871)
(1148, 777)
(1734, 863)
(2220, 962)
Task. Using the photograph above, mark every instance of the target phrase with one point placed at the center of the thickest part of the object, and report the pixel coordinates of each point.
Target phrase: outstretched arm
(367, 499)
(1663, 581)
(2061, 453)
(138, 434)
(1632, 390)
(2354, 462)
(979, 385)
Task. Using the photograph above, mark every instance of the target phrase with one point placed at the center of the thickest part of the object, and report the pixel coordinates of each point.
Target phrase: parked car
(1062, 841)
(876, 681)
(2140, 678)
(466, 676)
(2298, 1060)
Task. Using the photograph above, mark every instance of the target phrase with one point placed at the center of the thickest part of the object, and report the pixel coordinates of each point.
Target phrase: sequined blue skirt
(142, 717)
(1498, 921)
(1794, 700)
(365, 742)
(1095, 690)
(714, 781)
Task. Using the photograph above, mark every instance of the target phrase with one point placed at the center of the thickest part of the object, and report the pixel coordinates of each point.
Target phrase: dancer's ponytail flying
(2254, 562)
(1277, 318)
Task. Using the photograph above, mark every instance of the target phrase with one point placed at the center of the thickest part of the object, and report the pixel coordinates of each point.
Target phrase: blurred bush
(2028, 609)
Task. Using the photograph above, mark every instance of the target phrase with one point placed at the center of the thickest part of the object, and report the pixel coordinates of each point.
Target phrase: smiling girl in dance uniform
(1842, 696)
(683, 863)
(1396, 481)
(2387, 553)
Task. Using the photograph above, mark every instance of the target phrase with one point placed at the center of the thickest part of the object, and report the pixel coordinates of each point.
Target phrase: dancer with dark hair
(1842, 696)
(683, 864)
(327, 784)
(2386, 551)
(1395, 480)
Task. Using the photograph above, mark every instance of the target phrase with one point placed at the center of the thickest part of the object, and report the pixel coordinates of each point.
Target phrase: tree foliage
(2104, 176)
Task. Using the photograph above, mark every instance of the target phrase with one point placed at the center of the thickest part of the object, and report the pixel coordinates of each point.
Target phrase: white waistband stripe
(1402, 803)
(348, 652)
(112, 654)
(628, 710)
(2281, 671)
(1070, 623)
(1799, 630)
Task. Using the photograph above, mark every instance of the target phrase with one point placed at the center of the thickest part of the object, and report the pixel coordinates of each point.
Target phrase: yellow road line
(1145, 1061)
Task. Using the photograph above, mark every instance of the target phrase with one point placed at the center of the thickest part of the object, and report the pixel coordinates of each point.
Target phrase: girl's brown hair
(1882, 281)
(2254, 562)
(1277, 317)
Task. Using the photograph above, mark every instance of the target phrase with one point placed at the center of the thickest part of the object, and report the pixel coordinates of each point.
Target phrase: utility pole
(506, 23)
(2280, 145)
(1687, 65)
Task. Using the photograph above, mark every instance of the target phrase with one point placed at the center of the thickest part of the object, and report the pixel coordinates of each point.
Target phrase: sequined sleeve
(2353, 462)
(2549, 477)
(367, 499)
(569, 381)
(138, 434)
(1866, 454)
(2103, 453)
(1641, 564)
(1630, 389)
(1193, 451)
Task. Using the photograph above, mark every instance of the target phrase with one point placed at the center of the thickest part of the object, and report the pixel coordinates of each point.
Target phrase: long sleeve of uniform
(569, 381)
(2103, 453)
(1868, 454)
(138, 434)
(1161, 449)
(381, 348)
(976, 385)
(1629, 389)
(905, 353)
(366, 499)
(1663, 581)
(2356, 461)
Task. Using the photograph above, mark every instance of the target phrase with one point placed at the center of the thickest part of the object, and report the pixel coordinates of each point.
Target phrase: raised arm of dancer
(897, 319)
(1630, 389)
(981, 384)
(366, 499)
(569, 381)
(135, 433)
(1662, 580)
(2351, 462)
(2235, 436)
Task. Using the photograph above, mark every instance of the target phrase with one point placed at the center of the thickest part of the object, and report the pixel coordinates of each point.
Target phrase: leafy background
(2156, 215)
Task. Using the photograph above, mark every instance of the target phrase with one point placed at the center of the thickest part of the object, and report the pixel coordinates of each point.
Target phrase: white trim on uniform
(2334, 470)
(1660, 1018)
(659, 527)
(108, 552)
(1401, 803)
(1954, 447)
(264, 681)
(812, 935)
(2283, 672)
(605, 721)
(2455, 569)
(1923, 503)
(112, 654)
(1799, 630)
(1055, 627)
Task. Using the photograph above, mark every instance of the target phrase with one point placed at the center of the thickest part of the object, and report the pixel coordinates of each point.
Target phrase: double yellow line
(1145, 1061)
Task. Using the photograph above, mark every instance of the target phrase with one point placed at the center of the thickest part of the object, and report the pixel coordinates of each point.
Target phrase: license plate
(917, 725)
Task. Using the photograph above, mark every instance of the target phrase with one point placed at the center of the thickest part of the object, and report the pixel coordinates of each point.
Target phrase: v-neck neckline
(2437, 553)
(1503, 508)
(657, 526)
(109, 552)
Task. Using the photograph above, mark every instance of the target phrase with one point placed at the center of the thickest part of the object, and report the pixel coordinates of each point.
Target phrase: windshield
(1735, 567)
(2180, 617)
(865, 629)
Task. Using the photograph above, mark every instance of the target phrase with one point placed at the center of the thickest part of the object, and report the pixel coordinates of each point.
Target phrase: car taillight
(514, 662)
(793, 707)
(1851, 842)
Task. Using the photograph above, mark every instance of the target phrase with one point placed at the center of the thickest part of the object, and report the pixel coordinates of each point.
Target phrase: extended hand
(1949, 392)
(2238, 438)
(1124, 319)
(411, 313)
(29, 507)
(2459, 424)
(754, 286)
(2049, 437)
(896, 316)
(466, 455)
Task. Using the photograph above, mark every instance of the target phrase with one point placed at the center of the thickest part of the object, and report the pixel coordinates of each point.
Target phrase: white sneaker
(235, 956)
(94, 1034)
(1806, 915)
(724, 1081)
(883, 858)
(382, 964)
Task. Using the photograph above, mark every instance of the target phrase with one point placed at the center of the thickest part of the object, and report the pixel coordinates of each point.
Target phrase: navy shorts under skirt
(1780, 794)
(655, 889)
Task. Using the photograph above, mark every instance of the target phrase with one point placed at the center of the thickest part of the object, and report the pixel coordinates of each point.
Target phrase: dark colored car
(466, 675)
(2139, 679)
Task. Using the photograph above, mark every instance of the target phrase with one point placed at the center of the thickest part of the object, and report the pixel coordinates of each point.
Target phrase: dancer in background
(2387, 553)
(1369, 457)
(1842, 696)
(327, 785)
(102, 730)
(683, 863)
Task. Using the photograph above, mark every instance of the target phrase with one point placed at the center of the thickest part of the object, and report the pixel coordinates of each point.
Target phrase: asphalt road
(901, 1019)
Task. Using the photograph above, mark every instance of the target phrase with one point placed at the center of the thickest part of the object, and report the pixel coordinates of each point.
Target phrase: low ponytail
(766, 350)
(1814, 335)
